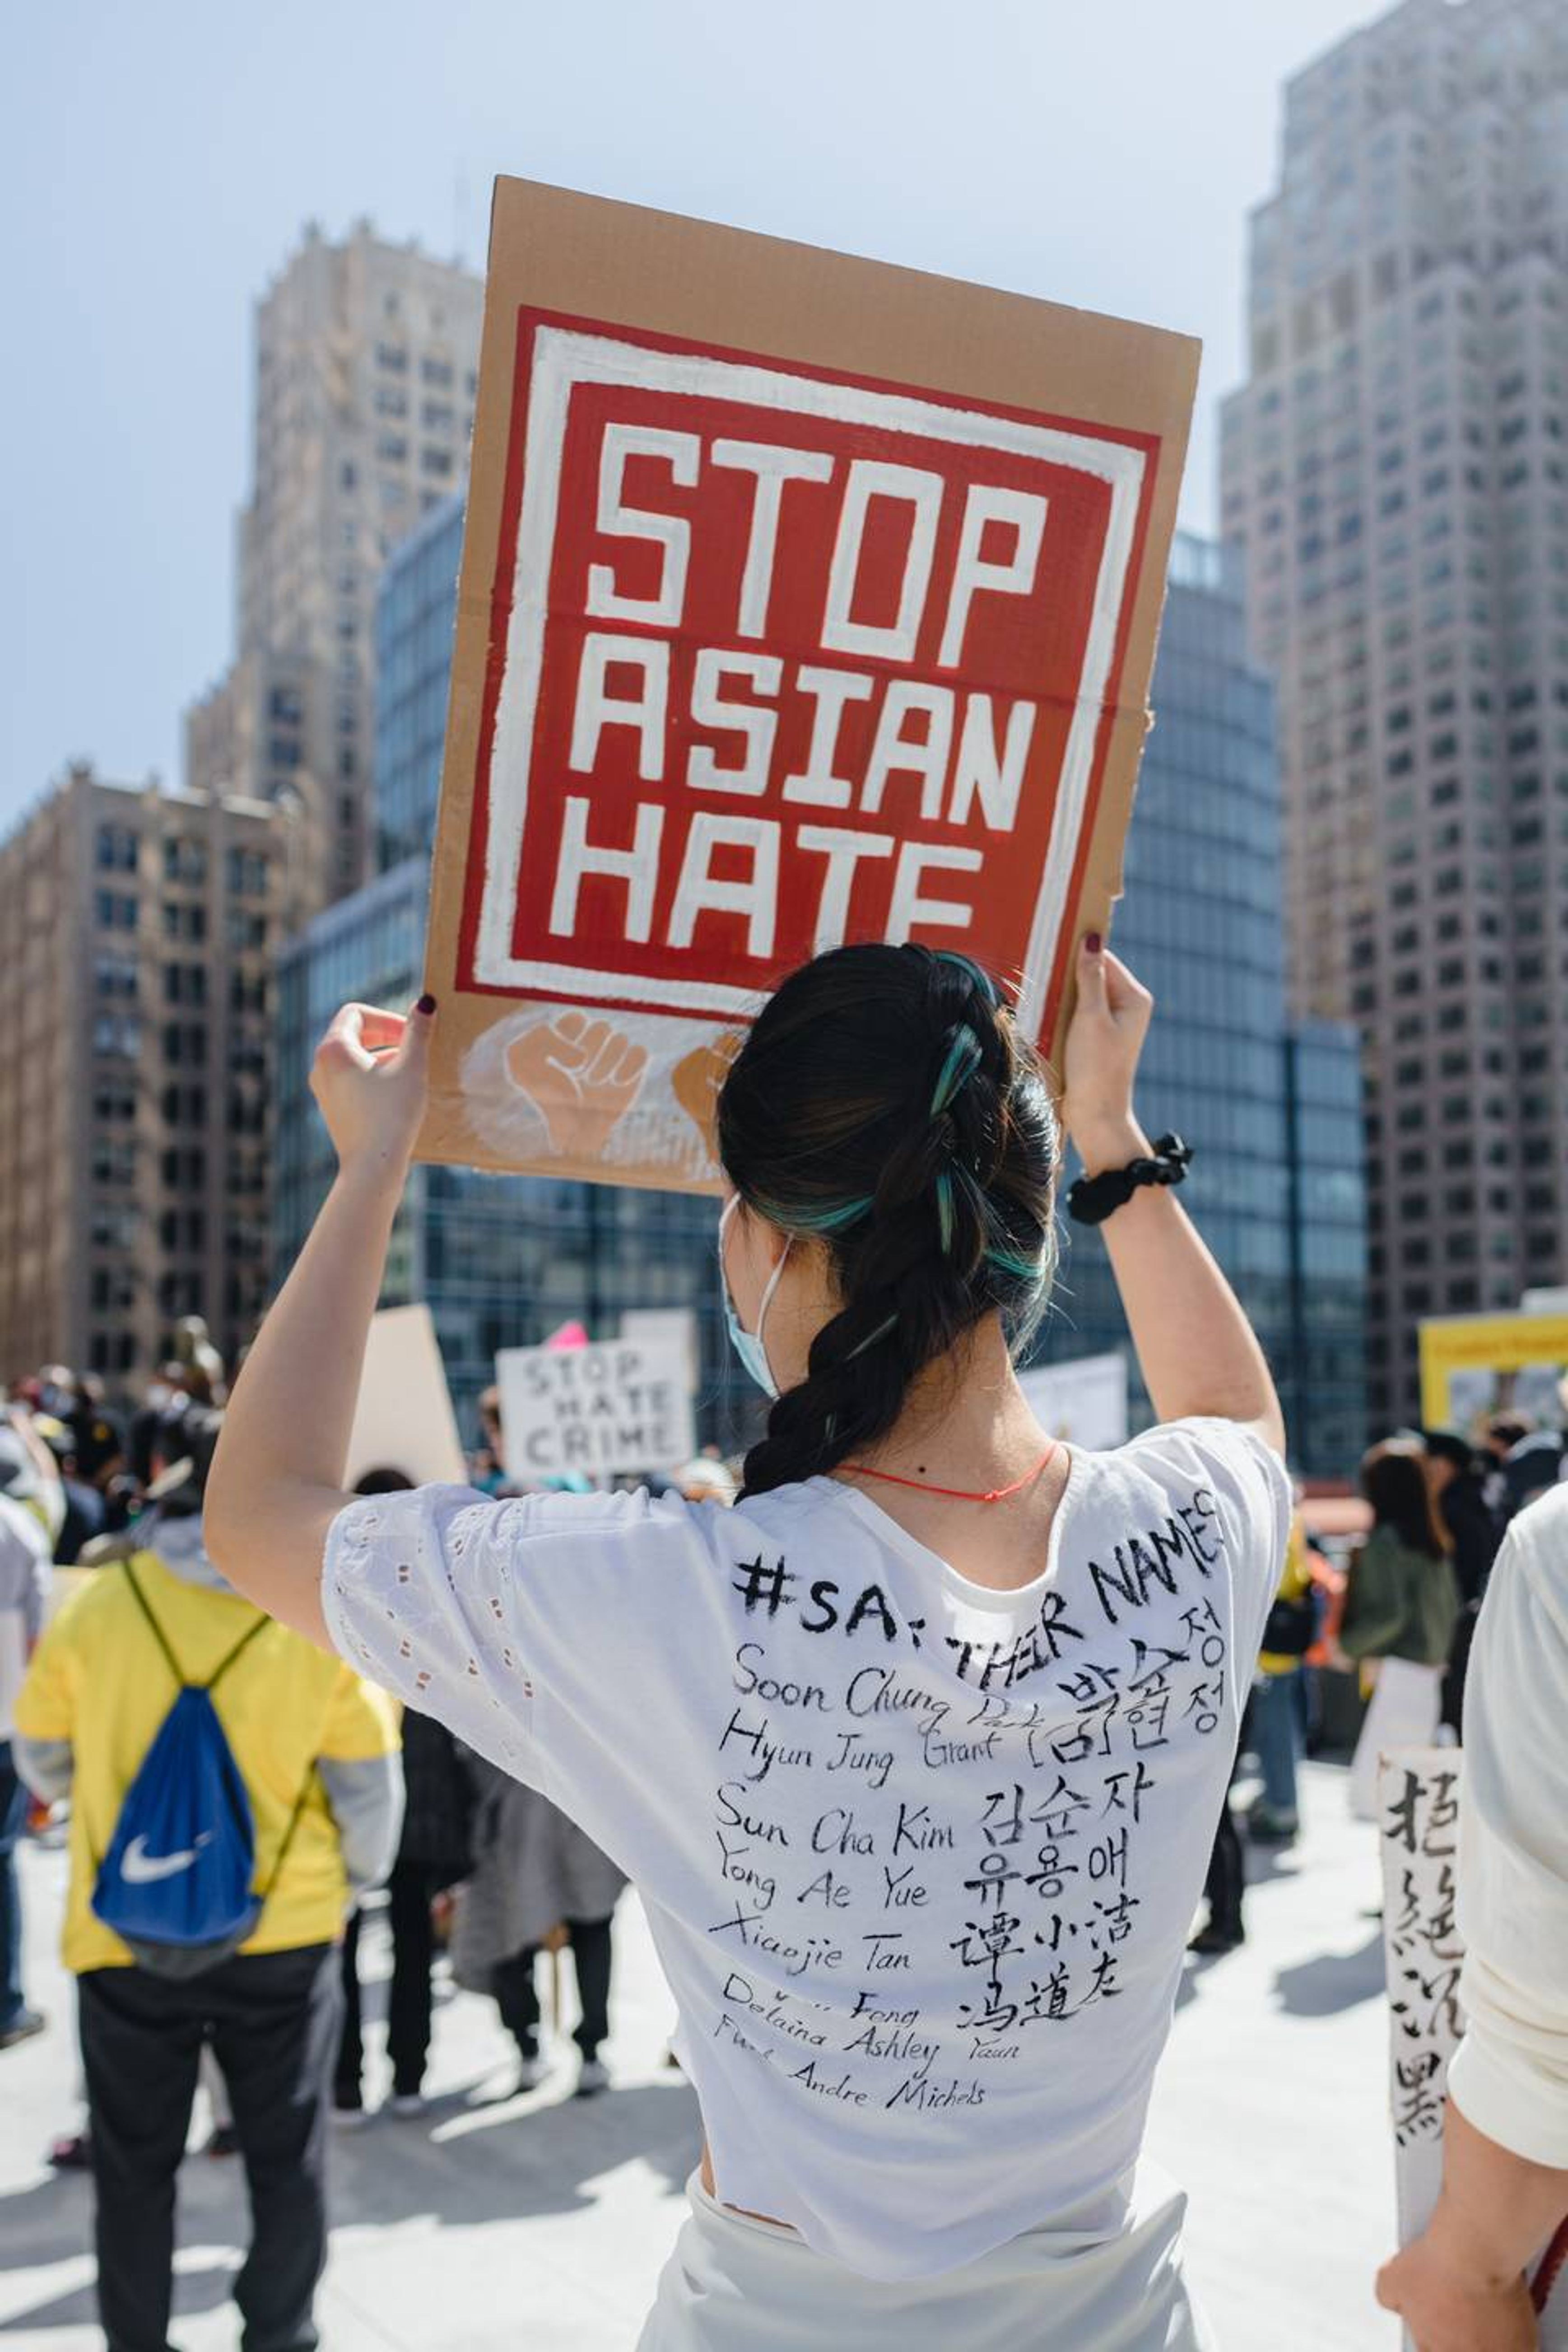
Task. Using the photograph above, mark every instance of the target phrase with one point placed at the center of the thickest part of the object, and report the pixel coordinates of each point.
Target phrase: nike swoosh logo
(140, 1868)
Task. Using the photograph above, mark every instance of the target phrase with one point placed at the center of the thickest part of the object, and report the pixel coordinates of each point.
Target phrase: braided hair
(884, 1104)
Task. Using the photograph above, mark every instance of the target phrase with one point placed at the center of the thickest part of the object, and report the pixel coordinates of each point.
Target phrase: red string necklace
(955, 1494)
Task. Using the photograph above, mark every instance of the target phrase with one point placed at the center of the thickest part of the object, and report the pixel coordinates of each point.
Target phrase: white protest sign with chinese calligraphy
(1419, 1798)
(619, 1405)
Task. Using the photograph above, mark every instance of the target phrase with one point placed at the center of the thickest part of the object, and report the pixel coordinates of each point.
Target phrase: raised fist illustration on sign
(696, 1082)
(580, 1075)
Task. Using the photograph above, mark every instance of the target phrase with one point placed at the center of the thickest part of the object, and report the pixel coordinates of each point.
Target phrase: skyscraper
(365, 361)
(1396, 469)
(1271, 1109)
(135, 935)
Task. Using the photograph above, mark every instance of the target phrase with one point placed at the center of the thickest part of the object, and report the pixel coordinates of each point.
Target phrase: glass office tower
(1274, 1115)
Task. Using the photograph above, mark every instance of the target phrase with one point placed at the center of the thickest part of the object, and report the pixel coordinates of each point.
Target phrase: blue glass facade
(502, 1261)
(1274, 1115)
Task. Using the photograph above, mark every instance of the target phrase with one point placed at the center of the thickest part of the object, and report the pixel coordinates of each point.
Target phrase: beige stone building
(1396, 470)
(366, 355)
(136, 937)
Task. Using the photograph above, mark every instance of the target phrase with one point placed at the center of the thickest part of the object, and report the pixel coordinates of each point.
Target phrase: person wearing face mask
(915, 1755)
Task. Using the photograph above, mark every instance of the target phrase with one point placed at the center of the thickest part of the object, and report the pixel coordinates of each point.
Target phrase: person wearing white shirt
(28, 1517)
(1461, 2286)
(915, 1755)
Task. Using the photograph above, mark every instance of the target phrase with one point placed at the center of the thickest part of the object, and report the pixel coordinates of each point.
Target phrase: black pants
(512, 1982)
(1226, 1880)
(272, 2020)
(410, 1891)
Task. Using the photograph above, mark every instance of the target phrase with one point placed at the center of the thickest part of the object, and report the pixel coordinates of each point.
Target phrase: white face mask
(748, 1345)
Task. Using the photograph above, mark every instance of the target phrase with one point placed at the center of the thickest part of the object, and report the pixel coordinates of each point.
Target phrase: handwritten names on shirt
(928, 1839)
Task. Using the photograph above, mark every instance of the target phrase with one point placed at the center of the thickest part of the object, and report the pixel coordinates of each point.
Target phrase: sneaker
(530, 2072)
(224, 2141)
(1267, 1827)
(349, 2118)
(24, 2025)
(407, 2104)
(71, 2154)
(591, 2075)
(1213, 1942)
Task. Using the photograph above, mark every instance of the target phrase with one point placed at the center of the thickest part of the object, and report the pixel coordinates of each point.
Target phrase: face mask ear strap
(769, 1288)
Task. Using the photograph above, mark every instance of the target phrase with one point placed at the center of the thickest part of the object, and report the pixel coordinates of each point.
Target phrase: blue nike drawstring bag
(175, 1884)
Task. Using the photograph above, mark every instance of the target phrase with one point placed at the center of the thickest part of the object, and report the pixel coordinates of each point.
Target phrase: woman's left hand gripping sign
(580, 1075)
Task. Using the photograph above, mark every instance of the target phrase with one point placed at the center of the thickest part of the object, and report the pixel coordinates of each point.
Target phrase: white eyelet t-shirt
(919, 1857)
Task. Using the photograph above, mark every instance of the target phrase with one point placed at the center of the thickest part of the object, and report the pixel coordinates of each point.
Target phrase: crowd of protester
(347, 1799)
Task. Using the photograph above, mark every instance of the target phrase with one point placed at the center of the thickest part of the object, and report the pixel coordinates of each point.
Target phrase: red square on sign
(780, 659)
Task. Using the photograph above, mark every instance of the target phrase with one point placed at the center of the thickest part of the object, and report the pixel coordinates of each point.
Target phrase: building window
(185, 1044)
(114, 1101)
(247, 873)
(248, 992)
(118, 849)
(114, 977)
(116, 910)
(184, 919)
(246, 1115)
(184, 983)
(115, 1160)
(393, 357)
(246, 928)
(185, 859)
(118, 1034)
(185, 1106)
(437, 372)
(185, 1169)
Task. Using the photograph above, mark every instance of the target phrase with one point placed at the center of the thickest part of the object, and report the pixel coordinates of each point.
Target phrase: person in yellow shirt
(1279, 1696)
(317, 1751)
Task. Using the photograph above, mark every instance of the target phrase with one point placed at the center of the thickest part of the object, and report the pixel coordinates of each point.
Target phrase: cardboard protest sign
(676, 1324)
(617, 1405)
(1083, 1402)
(1420, 1793)
(804, 600)
(404, 1420)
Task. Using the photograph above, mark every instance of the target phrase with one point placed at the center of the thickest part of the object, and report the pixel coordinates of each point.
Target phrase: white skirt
(735, 2284)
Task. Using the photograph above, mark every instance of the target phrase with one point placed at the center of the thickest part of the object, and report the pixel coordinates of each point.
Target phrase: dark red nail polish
(427, 1004)
(1093, 943)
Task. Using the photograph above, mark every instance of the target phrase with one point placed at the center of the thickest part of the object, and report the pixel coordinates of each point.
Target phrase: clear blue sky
(157, 162)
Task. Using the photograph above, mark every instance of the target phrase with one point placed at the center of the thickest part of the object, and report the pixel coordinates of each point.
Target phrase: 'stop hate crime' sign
(778, 654)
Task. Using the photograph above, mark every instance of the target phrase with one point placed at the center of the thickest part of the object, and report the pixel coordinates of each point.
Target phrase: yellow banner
(1484, 1343)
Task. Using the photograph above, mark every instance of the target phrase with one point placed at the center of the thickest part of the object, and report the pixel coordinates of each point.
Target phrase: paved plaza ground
(541, 2222)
